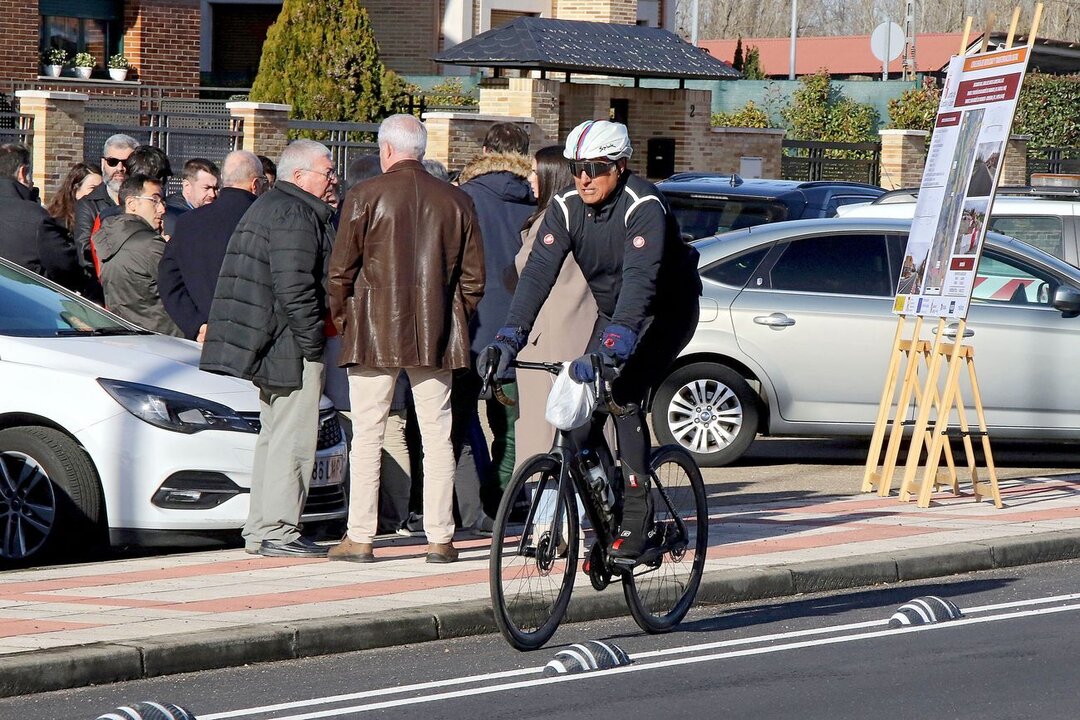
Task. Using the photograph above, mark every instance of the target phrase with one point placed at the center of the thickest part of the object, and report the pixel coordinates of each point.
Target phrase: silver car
(797, 327)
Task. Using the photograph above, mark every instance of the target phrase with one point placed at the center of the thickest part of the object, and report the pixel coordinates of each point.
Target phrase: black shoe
(300, 547)
(637, 531)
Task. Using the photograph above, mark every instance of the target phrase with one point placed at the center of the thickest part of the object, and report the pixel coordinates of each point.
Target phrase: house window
(92, 26)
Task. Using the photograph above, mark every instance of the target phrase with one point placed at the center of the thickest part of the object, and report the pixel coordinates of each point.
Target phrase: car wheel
(710, 410)
(50, 499)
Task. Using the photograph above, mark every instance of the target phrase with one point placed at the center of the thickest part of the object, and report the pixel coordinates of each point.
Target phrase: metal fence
(811, 160)
(182, 128)
(346, 140)
(1053, 160)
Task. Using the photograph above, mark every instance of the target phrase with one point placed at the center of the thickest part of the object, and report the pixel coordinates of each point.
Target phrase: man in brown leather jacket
(406, 274)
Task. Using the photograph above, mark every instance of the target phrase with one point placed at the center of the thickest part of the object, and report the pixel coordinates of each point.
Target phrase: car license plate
(328, 470)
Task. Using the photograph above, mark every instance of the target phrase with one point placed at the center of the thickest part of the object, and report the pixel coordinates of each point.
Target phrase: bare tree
(732, 18)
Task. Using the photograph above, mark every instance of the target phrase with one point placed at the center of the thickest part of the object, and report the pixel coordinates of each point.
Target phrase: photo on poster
(987, 157)
(937, 262)
(913, 268)
(972, 222)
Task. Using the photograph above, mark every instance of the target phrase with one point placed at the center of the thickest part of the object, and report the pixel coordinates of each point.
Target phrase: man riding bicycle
(645, 282)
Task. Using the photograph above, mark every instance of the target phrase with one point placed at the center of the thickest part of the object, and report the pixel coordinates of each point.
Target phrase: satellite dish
(887, 40)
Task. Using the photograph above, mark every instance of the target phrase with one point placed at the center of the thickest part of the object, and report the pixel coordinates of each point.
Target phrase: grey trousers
(284, 459)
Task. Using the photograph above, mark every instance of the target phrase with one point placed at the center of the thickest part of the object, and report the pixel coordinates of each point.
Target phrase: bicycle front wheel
(660, 594)
(534, 551)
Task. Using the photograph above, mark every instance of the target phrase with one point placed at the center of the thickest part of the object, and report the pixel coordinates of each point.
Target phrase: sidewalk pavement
(76, 625)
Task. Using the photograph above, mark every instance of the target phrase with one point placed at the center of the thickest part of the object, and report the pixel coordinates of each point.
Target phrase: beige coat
(561, 332)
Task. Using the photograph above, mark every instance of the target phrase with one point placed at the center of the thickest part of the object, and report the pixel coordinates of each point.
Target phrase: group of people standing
(404, 280)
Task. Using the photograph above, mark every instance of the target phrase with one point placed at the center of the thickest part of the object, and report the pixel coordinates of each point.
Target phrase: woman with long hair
(80, 182)
(564, 325)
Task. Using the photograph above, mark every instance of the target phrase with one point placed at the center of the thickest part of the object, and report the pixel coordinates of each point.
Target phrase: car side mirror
(1067, 300)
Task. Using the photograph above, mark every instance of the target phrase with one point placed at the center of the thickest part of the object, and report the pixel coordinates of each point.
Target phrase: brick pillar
(623, 12)
(1016, 153)
(738, 150)
(266, 126)
(456, 138)
(903, 157)
(59, 127)
(530, 98)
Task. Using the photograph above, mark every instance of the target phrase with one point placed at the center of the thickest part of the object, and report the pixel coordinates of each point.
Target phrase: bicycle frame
(566, 452)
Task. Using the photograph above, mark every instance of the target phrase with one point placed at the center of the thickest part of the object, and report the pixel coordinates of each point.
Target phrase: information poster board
(962, 168)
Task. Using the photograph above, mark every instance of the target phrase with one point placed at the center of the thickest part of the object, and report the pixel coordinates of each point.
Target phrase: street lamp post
(794, 31)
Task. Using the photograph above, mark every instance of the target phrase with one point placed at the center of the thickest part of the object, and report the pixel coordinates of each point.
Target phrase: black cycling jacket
(628, 248)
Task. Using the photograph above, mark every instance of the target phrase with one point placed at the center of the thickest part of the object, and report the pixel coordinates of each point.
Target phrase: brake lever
(488, 383)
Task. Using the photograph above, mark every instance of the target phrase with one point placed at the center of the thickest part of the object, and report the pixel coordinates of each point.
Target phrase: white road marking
(682, 650)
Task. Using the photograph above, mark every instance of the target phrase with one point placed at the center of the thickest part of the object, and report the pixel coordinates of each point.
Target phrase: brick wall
(20, 31)
(161, 38)
(407, 33)
(608, 11)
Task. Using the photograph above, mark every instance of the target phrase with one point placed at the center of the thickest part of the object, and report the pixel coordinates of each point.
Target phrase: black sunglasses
(592, 168)
(112, 162)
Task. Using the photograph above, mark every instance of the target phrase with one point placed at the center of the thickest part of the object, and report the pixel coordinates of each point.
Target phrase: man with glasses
(129, 247)
(88, 210)
(192, 260)
(645, 281)
(266, 325)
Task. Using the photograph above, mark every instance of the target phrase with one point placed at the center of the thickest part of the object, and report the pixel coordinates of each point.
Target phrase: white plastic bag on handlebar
(570, 404)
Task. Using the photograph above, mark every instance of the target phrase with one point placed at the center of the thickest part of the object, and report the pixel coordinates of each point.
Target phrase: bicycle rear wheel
(533, 555)
(659, 595)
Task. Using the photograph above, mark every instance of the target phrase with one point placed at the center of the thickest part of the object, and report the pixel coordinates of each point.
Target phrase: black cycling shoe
(637, 531)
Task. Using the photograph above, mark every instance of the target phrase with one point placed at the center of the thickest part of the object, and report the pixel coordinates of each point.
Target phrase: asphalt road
(822, 656)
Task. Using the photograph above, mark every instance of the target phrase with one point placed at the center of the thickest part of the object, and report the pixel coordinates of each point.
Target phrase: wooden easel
(916, 352)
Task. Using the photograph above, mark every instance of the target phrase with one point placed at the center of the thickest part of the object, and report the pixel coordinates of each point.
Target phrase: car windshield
(30, 308)
(704, 217)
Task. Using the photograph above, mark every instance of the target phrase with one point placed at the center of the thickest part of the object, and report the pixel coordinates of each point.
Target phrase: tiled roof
(842, 55)
(585, 47)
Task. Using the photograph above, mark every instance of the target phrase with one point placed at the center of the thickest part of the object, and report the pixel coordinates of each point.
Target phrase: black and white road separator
(924, 610)
(148, 710)
(584, 657)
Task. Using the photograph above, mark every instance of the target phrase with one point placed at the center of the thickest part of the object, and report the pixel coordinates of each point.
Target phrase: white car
(1043, 216)
(108, 431)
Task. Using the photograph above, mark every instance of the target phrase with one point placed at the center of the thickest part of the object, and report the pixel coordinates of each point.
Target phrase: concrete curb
(101, 663)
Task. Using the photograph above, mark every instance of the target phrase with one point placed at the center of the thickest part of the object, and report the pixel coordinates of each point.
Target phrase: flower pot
(53, 70)
(83, 72)
(118, 74)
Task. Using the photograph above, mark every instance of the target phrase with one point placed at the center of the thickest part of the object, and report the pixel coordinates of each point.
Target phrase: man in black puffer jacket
(267, 325)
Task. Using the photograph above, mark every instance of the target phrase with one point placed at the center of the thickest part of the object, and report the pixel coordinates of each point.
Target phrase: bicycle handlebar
(603, 374)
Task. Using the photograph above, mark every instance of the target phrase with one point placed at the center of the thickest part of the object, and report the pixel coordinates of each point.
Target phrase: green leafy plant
(748, 116)
(119, 62)
(1047, 110)
(54, 56)
(752, 69)
(819, 111)
(84, 59)
(450, 93)
(344, 81)
(916, 108)
(738, 61)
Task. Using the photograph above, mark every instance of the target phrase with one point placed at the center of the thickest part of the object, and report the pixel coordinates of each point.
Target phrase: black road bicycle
(535, 542)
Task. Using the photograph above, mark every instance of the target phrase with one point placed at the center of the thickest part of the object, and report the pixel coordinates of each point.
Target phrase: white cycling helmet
(598, 138)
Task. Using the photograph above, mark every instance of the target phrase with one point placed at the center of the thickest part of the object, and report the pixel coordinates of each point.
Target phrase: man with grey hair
(106, 195)
(406, 274)
(192, 259)
(266, 325)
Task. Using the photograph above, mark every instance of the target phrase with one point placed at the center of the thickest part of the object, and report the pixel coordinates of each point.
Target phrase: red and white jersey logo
(549, 239)
(639, 242)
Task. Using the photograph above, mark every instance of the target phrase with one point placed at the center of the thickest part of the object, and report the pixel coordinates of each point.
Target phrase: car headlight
(172, 410)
